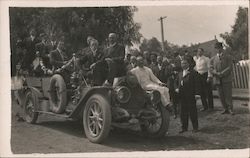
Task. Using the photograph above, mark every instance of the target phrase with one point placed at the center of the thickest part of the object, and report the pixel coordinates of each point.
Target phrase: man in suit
(187, 88)
(60, 62)
(115, 55)
(42, 49)
(154, 65)
(30, 54)
(92, 61)
(58, 57)
(221, 69)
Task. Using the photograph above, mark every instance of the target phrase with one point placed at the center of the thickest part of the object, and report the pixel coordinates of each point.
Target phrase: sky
(186, 24)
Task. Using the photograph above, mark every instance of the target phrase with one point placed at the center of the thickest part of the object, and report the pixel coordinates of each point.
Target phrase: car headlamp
(123, 94)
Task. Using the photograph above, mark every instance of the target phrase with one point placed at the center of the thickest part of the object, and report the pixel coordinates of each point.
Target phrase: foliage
(75, 24)
(237, 39)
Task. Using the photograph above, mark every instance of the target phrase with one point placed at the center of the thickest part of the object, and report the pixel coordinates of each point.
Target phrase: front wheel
(97, 118)
(29, 108)
(159, 126)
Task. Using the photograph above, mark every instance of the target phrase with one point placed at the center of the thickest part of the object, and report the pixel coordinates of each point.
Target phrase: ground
(57, 135)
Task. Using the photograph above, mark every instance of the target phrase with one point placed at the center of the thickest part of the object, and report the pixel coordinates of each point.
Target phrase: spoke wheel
(29, 108)
(157, 127)
(97, 118)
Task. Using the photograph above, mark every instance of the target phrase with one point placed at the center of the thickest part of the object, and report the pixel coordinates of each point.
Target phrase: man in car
(94, 64)
(148, 81)
(115, 55)
(60, 61)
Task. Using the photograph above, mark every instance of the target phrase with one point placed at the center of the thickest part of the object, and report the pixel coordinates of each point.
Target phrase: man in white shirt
(202, 67)
(148, 81)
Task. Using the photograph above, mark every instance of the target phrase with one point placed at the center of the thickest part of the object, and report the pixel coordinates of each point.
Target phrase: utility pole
(162, 32)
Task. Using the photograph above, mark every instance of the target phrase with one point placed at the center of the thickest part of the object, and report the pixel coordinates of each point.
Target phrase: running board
(54, 114)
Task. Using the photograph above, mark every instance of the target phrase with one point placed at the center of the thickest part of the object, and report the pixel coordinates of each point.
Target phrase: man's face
(184, 64)
(94, 45)
(61, 45)
(153, 58)
(140, 61)
(199, 52)
(133, 59)
(112, 38)
(218, 50)
(159, 59)
(146, 55)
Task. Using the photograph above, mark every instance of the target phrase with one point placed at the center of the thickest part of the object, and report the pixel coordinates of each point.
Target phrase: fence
(241, 74)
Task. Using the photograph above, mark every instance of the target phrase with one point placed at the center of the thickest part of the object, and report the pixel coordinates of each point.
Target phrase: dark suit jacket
(57, 59)
(42, 48)
(117, 54)
(87, 58)
(223, 65)
(30, 56)
(189, 86)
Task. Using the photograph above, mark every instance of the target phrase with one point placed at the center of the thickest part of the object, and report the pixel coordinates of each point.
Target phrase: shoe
(195, 130)
(225, 112)
(182, 131)
(204, 109)
(231, 112)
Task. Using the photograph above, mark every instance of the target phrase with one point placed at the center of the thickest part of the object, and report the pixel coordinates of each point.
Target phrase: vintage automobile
(122, 105)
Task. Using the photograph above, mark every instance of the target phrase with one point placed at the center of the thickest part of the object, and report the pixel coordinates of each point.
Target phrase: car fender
(104, 91)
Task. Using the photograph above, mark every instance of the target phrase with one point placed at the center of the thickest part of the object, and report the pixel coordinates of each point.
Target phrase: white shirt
(202, 64)
(185, 72)
(145, 76)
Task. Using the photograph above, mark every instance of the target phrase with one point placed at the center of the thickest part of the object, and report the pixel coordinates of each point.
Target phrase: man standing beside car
(221, 68)
(202, 67)
(187, 88)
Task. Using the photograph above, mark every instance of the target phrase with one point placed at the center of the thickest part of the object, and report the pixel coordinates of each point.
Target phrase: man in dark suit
(30, 44)
(42, 49)
(115, 55)
(221, 69)
(187, 88)
(58, 57)
(60, 62)
(93, 64)
(154, 65)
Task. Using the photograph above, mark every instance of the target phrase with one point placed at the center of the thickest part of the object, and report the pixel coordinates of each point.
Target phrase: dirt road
(57, 135)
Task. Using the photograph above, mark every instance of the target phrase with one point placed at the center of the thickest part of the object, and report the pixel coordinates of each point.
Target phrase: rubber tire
(164, 126)
(30, 119)
(61, 105)
(106, 116)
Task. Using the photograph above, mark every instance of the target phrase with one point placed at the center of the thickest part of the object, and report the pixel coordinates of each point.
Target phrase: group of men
(186, 77)
(178, 79)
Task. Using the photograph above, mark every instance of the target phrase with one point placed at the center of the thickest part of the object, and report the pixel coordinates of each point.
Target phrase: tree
(74, 25)
(237, 39)
(151, 45)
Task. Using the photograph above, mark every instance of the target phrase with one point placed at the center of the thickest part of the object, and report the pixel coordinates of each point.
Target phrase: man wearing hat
(221, 69)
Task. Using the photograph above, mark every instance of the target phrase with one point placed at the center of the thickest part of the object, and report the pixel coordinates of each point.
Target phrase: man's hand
(209, 79)
(92, 65)
(177, 90)
(162, 84)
